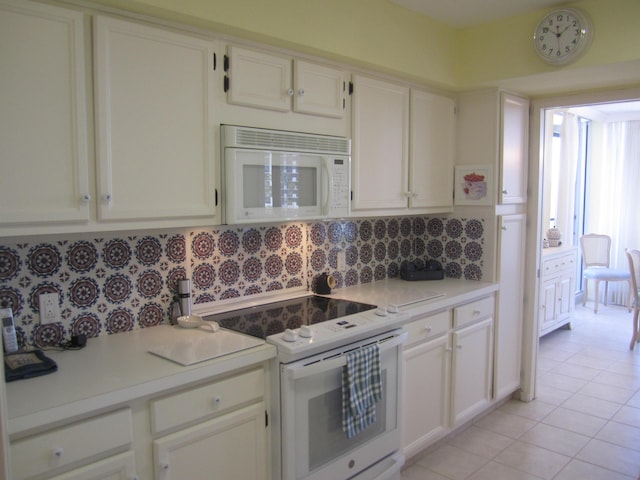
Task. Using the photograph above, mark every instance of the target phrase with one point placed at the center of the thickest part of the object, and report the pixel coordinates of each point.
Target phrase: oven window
(327, 440)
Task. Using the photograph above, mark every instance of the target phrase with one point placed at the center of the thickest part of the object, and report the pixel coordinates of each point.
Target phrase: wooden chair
(634, 269)
(596, 254)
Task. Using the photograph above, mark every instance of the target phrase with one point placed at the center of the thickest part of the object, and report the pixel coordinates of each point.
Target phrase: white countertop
(112, 370)
(409, 295)
(115, 369)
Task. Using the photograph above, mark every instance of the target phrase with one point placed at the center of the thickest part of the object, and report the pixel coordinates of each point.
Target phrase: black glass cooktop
(264, 320)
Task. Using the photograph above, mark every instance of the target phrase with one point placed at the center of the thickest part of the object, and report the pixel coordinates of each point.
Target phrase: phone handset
(9, 338)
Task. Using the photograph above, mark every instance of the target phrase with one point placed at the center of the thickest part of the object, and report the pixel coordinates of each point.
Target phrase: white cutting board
(205, 347)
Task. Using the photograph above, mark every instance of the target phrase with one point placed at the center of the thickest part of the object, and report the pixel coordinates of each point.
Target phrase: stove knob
(290, 335)
(381, 311)
(305, 331)
(393, 308)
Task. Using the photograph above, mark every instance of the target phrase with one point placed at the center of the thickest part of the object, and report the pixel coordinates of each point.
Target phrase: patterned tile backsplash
(112, 283)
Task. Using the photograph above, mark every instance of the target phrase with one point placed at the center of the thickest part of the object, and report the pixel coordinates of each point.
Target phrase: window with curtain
(613, 192)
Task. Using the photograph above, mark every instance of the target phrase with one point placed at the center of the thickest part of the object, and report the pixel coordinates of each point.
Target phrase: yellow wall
(381, 35)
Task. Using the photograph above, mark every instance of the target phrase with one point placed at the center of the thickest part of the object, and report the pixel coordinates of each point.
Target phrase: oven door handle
(305, 368)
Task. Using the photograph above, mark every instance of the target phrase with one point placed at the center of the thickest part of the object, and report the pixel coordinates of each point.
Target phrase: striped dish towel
(361, 389)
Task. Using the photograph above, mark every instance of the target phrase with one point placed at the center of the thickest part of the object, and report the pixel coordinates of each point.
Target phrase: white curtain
(613, 193)
(568, 168)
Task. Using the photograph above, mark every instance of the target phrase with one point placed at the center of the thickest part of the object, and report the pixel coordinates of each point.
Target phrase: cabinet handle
(301, 92)
(428, 329)
(504, 192)
(476, 312)
(86, 198)
(58, 452)
(290, 92)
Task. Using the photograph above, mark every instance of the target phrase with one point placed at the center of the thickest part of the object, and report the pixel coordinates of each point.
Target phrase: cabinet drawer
(472, 312)
(428, 326)
(200, 402)
(559, 263)
(71, 444)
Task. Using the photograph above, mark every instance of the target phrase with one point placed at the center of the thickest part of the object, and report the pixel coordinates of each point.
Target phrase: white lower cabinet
(426, 403)
(217, 430)
(557, 288)
(118, 467)
(448, 368)
(88, 443)
(226, 448)
(472, 367)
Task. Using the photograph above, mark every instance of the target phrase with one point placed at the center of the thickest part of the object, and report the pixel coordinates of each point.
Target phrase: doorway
(538, 223)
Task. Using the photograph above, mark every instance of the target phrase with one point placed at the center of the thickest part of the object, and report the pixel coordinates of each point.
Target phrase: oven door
(314, 445)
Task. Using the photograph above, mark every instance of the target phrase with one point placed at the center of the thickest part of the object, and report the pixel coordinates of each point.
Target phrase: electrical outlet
(49, 308)
(341, 260)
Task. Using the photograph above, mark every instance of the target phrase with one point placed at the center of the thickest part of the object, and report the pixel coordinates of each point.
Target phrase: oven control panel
(311, 339)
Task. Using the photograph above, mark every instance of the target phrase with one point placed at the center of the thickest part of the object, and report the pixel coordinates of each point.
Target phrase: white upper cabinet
(403, 149)
(264, 80)
(493, 130)
(154, 124)
(380, 155)
(43, 108)
(514, 145)
(432, 151)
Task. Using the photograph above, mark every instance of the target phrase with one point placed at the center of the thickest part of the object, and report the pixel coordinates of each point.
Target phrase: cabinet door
(426, 398)
(547, 304)
(259, 79)
(432, 150)
(43, 115)
(229, 447)
(566, 292)
(318, 90)
(118, 467)
(380, 144)
(514, 147)
(508, 323)
(472, 370)
(155, 149)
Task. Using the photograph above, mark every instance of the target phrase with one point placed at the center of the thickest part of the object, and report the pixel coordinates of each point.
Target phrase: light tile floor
(583, 425)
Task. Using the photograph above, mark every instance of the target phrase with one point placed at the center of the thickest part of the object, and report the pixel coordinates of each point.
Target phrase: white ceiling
(464, 13)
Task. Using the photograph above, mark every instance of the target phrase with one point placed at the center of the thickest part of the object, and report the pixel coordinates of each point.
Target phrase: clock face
(562, 36)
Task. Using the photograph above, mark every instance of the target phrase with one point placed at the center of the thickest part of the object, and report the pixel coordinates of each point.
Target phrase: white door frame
(535, 228)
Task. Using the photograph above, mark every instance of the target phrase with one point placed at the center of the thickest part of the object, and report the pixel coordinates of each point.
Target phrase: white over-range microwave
(273, 175)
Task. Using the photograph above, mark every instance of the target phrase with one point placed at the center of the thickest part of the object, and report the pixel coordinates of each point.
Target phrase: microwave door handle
(329, 184)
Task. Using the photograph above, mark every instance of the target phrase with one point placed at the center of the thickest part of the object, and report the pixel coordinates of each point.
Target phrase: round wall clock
(562, 36)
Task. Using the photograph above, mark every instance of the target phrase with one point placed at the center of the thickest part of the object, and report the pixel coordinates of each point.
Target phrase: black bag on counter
(21, 365)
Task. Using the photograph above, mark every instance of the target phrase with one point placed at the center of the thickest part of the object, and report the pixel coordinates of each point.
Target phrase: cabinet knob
(164, 466)
(290, 92)
(427, 329)
(107, 197)
(414, 194)
(476, 312)
(86, 198)
(448, 349)
(58, 452)
(217, 400)
(504, 191)
(408, 194)
(301, 92)
(504, 227)
(134, 477)
(459, 347)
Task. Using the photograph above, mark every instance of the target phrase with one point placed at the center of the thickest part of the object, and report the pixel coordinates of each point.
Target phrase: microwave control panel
(340, 197)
